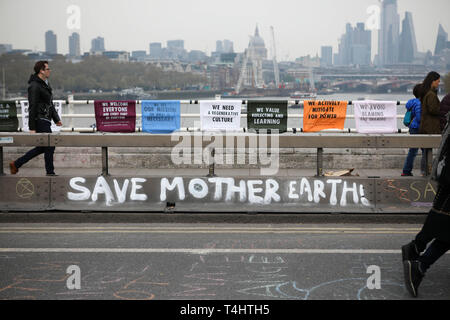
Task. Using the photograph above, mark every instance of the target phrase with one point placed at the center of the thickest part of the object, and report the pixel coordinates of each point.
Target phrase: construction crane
(276, 71)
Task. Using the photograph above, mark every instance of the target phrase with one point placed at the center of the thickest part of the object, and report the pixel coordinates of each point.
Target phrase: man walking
(41, 113)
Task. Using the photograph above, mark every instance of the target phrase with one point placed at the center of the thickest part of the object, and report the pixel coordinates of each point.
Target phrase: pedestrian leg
(49, 151)
(436, 250)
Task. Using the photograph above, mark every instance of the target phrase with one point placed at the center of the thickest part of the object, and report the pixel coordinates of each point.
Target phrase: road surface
(210, 261)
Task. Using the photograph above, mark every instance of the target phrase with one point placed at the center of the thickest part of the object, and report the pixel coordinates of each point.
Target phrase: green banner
(267, 115)
(8, 116)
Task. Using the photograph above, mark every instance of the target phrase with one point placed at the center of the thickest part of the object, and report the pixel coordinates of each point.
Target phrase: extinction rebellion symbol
(24, 188)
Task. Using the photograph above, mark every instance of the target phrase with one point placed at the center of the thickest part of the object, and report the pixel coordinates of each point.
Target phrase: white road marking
(198, 251)
(165, 230)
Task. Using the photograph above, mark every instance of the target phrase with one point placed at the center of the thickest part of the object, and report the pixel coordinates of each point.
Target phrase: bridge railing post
(319, 162)
(105, 171)
(211, 169)
(2, 173)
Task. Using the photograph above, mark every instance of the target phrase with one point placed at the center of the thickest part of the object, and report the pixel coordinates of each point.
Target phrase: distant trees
(95, 72)
(18, 69)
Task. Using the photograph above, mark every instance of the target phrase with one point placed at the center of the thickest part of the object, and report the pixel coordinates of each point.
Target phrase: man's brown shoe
(13, 168)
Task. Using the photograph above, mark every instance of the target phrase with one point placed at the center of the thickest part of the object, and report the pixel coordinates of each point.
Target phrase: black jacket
(444, 108)
(40, 100)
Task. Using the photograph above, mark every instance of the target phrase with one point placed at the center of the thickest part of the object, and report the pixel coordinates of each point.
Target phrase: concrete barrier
(217, 194)
(234, 193)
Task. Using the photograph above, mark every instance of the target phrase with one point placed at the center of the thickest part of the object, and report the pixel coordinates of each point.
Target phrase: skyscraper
(50, 42)
(219, 46)
(355, 46)
(361, 45)
(441, 41)
(408, 44)
(326, 57)
(388, 39)
(98, 45)
(74, 45)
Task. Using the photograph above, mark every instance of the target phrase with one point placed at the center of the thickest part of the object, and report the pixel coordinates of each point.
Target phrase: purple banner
(115, 116)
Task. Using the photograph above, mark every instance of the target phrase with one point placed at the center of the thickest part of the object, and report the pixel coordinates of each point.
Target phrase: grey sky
(301, 26)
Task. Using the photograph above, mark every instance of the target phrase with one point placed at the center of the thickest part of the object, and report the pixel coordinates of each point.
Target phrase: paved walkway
(364, 173)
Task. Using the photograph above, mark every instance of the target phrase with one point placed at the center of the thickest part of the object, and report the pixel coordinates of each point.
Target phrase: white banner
(220, 115)
(24, 104)
(376, 116)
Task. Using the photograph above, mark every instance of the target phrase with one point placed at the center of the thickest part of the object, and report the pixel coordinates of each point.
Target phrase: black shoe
(409, 252)
(413, 276)
(52, 174)
(407, 174)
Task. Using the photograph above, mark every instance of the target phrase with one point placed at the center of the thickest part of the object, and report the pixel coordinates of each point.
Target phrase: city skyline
(115, 22)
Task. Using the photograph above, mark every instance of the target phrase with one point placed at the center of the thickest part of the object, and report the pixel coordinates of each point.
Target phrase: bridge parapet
(212, 193)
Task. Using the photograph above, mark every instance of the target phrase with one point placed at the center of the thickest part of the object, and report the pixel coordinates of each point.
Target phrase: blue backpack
(407, 119)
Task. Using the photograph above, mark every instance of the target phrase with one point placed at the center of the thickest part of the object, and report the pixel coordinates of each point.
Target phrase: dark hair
(40, 65)
(426, 84)
(417, 89)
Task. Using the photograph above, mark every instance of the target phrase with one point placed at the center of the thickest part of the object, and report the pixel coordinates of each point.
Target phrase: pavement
(38, 172)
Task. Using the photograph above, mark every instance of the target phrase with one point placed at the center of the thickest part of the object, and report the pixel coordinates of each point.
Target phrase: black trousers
(42, 126)
(437, 227)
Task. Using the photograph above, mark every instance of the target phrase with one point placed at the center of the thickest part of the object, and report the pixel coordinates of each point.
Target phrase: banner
(269, 115)
(24, 105)
(321, 115)
(220, 115)
(376, 116)
(160, 116)
(115, 116)
(8, 116)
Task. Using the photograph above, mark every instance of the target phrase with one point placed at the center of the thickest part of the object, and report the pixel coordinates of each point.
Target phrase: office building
(74, 45)
(441, 41)
(175, 50)
(388, 38)
(175, 44)
(228, 46)
(355, 46)
(219, 46)
(50, 42)
(156, 50)
(98, 45)
(326, 56)
(408, 44)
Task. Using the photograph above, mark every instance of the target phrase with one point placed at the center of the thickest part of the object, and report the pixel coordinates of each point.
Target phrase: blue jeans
(409, 162)
(41, 127)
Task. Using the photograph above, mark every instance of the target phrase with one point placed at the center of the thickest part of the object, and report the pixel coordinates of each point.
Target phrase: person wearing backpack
(414, 107)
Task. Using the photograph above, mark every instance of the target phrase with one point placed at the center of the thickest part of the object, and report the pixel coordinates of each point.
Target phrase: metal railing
(317, 141)
(71, 115)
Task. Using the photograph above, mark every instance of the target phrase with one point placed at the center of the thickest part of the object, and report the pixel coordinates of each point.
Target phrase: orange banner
(321, 115)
